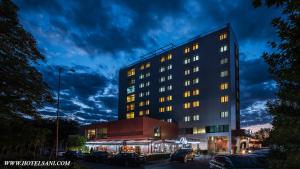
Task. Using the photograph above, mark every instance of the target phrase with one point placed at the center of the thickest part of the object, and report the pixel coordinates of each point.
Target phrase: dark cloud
(256, 88)
(87, 96)
(51, 7)
(254, 71)
(249, 23)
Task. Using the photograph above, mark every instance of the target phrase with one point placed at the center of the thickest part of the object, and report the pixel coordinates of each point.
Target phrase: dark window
(217, 129)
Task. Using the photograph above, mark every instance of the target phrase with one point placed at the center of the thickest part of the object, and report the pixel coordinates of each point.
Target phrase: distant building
(194, 84)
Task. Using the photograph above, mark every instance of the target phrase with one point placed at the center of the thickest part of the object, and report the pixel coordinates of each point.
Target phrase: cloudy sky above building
(96, 38)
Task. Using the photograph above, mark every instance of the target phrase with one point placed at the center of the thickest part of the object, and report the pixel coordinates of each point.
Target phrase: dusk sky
(97, 38)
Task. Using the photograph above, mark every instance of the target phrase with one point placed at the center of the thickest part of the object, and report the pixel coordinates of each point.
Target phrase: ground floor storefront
(214, 144)
(138, 146)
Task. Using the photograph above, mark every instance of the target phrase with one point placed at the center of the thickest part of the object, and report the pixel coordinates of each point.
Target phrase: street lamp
(60, 70)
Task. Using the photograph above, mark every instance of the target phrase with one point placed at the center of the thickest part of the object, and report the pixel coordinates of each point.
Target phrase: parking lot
(199, 163)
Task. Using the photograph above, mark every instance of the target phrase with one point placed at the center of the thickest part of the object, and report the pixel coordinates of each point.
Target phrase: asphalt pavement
(198, 163)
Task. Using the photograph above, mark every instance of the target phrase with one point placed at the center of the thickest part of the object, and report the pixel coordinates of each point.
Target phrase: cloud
(256, 88)
(86, 96)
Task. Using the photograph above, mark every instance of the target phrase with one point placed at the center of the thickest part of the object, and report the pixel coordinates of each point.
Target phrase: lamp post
(60, 70)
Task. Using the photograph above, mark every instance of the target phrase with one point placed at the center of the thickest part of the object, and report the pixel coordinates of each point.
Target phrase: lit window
(196, 81)
(224, 86)
(130, 98)
(131, 72)
(223, 36)
(198, 130)
(195, 58)
(187, 118)
(148, 83)
(162, 109)
(224, 61)
(224, 99)
(169, 98)
(162, 89)
(162, 79)
(142, 85)
(130, 90)
(147, 93)
(162, 59)
(187, 83)
(187, 105)
(196, 117)
(186, 50)
(196, 69)
(186, 61)
(141, 103)
(169, 56)
(130, 107)
(162, 69)
(169, 77)
(223, 48)
(169, 67)
(130, 115)
(195, 46)
(187, 94)
(169, 120)
(91, 134)
(169, 108)
(195, 92)
(141, 112)
(169, 87)
(196, 103)
(147, 102)
(147, 74)
(161, 99)
(187, 72)
(147, 111)
(224, 114)
(141, 76)
(148, 65)
(224, 73)
(142, 67)
(141, 94)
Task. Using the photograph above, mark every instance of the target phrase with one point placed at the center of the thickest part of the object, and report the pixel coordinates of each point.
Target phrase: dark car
(183, 155)
(127, 159)
(261, 155)
(235, 162)
(99, 156)
(73, 155)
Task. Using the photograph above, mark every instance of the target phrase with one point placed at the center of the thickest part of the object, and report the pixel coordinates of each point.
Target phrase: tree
(263, 135)
(284, 66)
(76, 142)
(22, 87)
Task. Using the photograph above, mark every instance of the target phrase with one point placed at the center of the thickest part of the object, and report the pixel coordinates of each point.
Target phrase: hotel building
(194, 84)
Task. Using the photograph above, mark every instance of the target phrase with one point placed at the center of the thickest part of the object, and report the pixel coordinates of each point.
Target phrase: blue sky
(96, 38)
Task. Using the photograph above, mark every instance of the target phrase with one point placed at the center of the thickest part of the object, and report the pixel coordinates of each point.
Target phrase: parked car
(261, 155)
(126, 158)
(235, 162)
(183, 155)
(99, 156)
(262, 152)
(73, 155)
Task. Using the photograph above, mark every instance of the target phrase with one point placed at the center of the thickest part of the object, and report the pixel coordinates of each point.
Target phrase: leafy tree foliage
(263, 135)
(22, 87)
(284, 66)
(76, 142)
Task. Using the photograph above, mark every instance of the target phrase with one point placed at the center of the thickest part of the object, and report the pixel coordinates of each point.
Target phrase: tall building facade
(194, 84)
